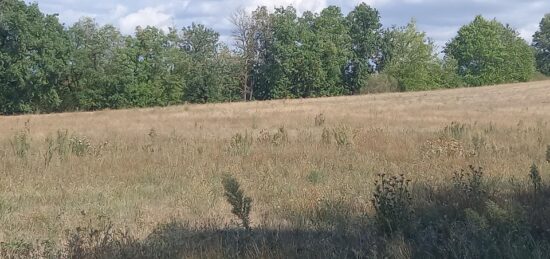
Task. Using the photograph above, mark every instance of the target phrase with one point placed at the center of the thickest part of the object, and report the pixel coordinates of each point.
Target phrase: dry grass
(150, 166)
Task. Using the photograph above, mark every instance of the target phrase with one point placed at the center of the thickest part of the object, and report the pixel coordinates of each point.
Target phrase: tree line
(48, 67)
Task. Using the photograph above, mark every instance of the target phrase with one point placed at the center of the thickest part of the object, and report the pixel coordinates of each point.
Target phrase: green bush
(393, 203)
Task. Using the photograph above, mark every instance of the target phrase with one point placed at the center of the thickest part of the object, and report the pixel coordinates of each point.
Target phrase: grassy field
(311, 167)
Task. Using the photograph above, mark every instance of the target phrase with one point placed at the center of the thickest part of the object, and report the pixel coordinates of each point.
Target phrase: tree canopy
(489, 52)
(48, 67)
(541, 43)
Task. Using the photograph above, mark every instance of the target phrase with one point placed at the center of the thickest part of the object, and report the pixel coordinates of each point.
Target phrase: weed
(320, 120)
(241, 204)
(63, 143)
(50, 149)
(99, 240)
(316, 177)
(21, 144)
(479, 143)
(455, 130)
(343, 136)
(278, 138)
(536, 180)
(470, 185)
(393, 203)
(241, 144)
(326, 137)
(548, 154)
(80, 146)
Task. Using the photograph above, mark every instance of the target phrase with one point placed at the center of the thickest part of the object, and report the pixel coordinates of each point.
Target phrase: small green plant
(536, 180)
(241, 144)
(316, 177)
(392, 202)
(240, 203)
(320, 120)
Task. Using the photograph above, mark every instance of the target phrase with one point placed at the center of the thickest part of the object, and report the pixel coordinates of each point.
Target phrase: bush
(380, 83)
(393, 203)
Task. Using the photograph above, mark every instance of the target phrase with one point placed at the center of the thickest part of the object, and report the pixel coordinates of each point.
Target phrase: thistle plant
(235, 196)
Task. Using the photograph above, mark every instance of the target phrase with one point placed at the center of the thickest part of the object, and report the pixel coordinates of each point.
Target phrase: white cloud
(153, 16)
(439, 18)
(300, 5)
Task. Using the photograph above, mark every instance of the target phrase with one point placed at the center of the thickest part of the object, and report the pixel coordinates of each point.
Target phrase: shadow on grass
(178, 240)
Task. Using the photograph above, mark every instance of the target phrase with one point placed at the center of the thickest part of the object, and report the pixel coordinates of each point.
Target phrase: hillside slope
(502, 104)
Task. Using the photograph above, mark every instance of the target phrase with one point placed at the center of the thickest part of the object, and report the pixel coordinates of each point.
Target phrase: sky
(440, 19)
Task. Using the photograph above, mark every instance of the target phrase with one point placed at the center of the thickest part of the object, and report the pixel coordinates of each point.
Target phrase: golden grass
(160, 164)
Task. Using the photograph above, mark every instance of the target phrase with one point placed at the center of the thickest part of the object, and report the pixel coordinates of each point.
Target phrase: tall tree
(204, 81)
(366, 35)
(541, 43)
(245, 45)
(93, 51)
(33, 54)
(334, 50)
(488, 52)
(409, 57)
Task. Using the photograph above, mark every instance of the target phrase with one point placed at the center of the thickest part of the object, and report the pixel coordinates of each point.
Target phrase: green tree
(205, 82)
(488, 52)
(409, 57)
(333, 47)
(33, 59)
(366, 35)
(93, 53)
(541, 43)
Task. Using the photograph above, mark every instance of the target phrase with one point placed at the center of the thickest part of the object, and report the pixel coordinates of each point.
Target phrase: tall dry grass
(309, 165)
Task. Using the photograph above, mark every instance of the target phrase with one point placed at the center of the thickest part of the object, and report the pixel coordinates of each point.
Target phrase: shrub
(380, 83)
(236, 198)
(393, 203)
